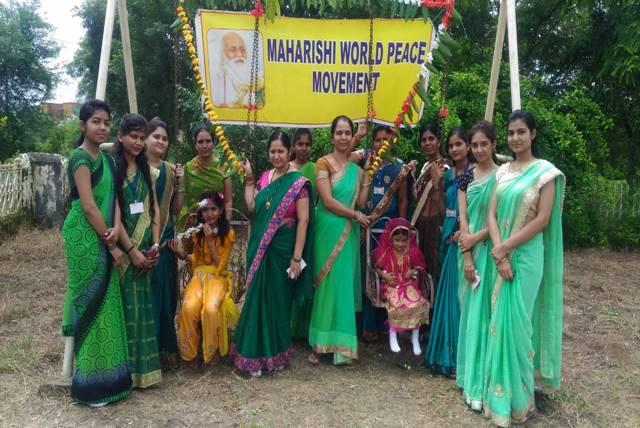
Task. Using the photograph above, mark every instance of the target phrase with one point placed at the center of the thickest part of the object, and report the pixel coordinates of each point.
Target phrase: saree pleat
(263, 334)
(337, 274)
(525, 330)
(136, 290)
(92, 311)
(164, 276)
(443, 336)
(301, 309)
(475, 305)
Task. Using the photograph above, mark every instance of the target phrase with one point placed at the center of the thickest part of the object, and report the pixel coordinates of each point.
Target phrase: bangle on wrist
(130, 248)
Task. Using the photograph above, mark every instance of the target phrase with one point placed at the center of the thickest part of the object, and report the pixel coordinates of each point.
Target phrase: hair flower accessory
(205, 203)
(221, 196)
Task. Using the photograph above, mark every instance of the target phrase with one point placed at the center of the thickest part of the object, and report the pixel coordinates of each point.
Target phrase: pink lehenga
(406, 306)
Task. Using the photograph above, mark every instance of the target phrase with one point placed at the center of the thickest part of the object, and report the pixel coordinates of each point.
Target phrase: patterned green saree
(92, 311)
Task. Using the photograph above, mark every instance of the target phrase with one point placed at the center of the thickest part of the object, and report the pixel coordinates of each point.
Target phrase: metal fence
(618, 198)
(11, 183)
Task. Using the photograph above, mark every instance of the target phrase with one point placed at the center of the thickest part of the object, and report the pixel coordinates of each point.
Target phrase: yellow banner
(309, 70)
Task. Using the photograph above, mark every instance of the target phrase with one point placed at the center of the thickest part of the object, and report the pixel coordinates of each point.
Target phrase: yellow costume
(207, 309)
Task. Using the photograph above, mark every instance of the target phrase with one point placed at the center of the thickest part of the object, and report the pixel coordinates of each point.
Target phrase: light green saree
(336, 272)
(525, 331)
(475, 304)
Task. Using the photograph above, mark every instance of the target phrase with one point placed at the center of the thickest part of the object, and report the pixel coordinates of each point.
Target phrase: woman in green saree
(525, 329)
(92, 318)
(279, 246)
(475, 268)
(202, 173)
(139, 237)
(336, 269)
(164, 277)
(302, 140)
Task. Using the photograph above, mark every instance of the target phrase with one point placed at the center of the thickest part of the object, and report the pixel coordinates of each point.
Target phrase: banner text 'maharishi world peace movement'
(309, 70)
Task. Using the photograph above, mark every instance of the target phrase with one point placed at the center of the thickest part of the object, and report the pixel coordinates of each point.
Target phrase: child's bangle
(129, 249)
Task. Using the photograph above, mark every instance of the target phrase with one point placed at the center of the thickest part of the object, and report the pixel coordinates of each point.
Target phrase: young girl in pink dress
(400, 265)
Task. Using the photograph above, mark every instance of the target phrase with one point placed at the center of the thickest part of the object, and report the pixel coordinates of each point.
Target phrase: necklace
(513, 169)
(270, 197)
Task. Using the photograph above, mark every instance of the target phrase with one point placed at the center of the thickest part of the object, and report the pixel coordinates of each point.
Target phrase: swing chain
(252, 107)
(369, 89)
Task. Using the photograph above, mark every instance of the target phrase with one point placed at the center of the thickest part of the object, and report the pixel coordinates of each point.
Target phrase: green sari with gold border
(475, 305)
(144, 360)
(336, 272)
(525, 331)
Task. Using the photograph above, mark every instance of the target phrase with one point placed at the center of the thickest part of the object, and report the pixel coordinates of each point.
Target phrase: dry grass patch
(601, 378)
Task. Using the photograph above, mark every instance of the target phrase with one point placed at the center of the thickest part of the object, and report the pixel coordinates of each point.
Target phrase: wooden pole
(128, 58)
(514, 72)
(495, 65)
(105, 52)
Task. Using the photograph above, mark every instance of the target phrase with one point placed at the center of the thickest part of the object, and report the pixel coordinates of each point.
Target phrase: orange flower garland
(232, 158)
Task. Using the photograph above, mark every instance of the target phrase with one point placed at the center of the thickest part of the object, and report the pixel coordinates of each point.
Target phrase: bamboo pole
(495, 65)
(105, 52)
(128, 58)
(514, 72)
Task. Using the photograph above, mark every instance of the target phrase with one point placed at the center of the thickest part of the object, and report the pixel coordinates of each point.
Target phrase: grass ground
(601, 372)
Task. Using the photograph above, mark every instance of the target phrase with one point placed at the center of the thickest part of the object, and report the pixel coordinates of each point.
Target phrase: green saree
(525, 330)
(475, 304)
(164, 275)
(263, 335)
(198, 177)
(92, 311)
(301, 311)
(136, 288)
(336, 272)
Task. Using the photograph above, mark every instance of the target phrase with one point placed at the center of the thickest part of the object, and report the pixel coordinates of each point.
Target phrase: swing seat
(371, 277)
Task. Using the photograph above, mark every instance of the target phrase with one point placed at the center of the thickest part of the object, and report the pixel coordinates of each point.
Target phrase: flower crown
(208, 201)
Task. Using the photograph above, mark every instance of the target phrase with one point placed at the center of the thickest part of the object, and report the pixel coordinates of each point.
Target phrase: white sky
(68, 32)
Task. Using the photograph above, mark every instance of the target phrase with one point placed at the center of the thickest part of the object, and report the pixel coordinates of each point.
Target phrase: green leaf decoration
(449, 41)
(444, 51)
(405, 122)
(425, 13)
(414, 105)
(176, 24)
(410, 113)
(432, 69)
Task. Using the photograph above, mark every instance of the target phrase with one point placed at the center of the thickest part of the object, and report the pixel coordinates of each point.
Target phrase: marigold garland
(409, 104)
(232, 158)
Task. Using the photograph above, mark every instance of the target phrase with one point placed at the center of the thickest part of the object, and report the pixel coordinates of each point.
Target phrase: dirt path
(601, 377)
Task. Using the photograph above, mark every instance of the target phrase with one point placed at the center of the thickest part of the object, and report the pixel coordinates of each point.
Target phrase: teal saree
(144, 360)
(164, 276)
(440, 357)
(475, 304)
(92, 311)
(336, 272)
(525, 331)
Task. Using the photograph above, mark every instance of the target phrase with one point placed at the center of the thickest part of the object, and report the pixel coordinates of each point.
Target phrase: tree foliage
(26, 75)
(580, 69)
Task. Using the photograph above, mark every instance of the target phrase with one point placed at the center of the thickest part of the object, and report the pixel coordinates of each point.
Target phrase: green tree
(26, 75)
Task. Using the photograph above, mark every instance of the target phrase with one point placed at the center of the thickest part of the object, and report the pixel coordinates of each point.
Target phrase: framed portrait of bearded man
(230, 67)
